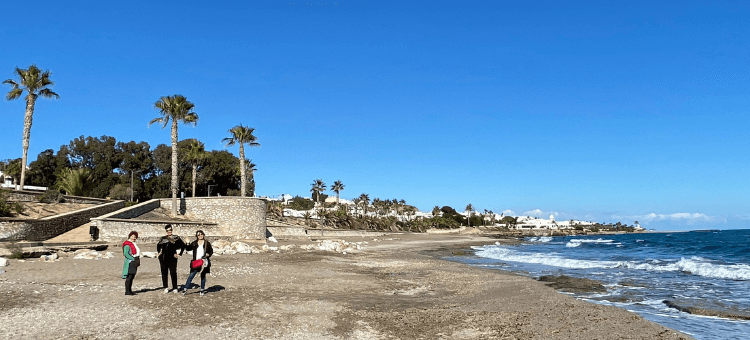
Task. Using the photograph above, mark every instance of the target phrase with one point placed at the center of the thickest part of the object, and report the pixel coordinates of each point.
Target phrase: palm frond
(14, 94)
(191, 118)
(47, 93)
(164, 120)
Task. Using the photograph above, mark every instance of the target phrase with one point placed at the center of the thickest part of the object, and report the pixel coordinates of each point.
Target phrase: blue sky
(588, 110)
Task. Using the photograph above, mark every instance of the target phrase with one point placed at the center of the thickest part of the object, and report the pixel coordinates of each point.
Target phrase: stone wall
(287, 233)
(229, 218)
(117, 230)
(51, 226)
(33, 196)
(343, 233)
(243, 217)
(12, 229)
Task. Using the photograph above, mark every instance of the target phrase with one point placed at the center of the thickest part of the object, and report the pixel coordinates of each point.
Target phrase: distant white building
(6, 181)
(528, 222)
(332, 199)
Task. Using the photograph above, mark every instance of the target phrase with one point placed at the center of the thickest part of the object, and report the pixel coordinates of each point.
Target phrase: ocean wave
(543, 239)
(694, 266)
(577, 242)
(505, 254)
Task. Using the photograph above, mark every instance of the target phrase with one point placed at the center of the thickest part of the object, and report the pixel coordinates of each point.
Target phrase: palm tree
(469, 209)
(242, 135)
(337, 187)
(250, 169)
(177, 109)
(307, 215)
(317, 187)
(196, 153)
(365, 200)
(76, 182)
(36, 83)
(435, 211)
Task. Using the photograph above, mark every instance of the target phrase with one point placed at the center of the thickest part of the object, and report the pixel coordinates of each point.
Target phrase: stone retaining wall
(343, 233)
(243, 217)
(230, 218)
(286, 233)
(117, 230)
(33, 196)
(51, 226)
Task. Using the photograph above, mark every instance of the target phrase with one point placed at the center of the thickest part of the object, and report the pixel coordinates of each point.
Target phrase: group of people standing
(169, 248)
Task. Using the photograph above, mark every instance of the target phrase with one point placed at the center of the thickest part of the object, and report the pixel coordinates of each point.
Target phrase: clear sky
(611, 111)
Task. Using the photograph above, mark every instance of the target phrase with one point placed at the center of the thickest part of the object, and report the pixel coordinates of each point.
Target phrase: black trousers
(171, 267)
(129, 283)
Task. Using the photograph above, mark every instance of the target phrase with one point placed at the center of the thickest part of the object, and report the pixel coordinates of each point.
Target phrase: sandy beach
(396, 288)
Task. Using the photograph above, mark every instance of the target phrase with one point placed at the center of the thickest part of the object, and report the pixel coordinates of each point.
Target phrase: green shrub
(15, 250)
(120, 192)
(5, 206)
(301, 204)
(476, 220)
(18, 208)
(52, 196)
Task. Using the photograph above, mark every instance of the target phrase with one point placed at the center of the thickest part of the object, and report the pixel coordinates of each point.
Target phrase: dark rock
(572, 284)
(717, 311)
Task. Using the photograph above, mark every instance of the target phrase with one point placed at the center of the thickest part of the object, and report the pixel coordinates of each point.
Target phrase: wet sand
(396, 288)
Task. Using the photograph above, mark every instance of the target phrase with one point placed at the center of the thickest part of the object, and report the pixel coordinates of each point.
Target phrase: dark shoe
(129, 293)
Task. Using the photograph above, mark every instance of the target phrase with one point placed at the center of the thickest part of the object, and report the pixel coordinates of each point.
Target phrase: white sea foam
(695, 265)
(543, 239)
(577, 242)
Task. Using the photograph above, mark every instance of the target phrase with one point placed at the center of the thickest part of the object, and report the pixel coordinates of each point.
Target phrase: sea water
(704, 270)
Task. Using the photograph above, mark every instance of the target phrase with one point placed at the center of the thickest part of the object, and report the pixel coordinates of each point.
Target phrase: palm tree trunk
(174, 167)
(30, 101)
(242, 170)
(195, 171)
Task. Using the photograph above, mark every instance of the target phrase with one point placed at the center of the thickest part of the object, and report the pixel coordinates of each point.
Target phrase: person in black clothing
(170, 248)
(202, 250)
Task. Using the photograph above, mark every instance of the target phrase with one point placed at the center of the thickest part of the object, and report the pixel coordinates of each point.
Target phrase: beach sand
(396, 288)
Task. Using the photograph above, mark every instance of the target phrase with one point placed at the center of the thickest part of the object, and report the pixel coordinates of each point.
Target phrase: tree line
(107, 167)
(98, 166)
